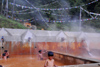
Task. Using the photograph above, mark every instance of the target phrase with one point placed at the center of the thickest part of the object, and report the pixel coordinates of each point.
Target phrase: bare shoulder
(53, 60)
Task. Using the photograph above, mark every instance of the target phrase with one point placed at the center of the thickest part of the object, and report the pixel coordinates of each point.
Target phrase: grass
(8, 23)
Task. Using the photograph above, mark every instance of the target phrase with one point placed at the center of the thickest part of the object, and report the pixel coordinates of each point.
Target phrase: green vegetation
(71, 13)
(8, 23)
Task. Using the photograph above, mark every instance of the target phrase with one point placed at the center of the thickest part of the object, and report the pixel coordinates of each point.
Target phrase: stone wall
(83, 65)
(68, 59)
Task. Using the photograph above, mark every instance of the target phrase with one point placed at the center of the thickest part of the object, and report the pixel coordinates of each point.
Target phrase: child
(40, 56)
(5, 55)
(50, 61)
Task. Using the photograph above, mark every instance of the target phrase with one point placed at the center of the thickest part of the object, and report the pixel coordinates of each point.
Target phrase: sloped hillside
(8, 23)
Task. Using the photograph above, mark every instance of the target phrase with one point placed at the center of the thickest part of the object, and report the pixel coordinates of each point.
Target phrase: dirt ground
(24, 61)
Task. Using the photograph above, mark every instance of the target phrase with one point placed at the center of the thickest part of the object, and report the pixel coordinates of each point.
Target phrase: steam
(63, 15)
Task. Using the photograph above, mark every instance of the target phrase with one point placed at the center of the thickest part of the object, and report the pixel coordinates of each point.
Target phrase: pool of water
(24, 61)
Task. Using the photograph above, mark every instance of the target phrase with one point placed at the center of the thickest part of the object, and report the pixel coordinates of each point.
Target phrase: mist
(41, 17)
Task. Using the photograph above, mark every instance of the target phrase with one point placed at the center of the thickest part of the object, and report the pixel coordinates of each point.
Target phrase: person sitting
(5, 55)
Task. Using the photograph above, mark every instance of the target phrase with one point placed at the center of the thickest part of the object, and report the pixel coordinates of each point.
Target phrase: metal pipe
(13, 9)
(80, 24)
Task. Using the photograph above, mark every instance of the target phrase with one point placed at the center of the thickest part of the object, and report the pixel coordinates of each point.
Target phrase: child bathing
(50, 61)
(5, 55)
(40, 55)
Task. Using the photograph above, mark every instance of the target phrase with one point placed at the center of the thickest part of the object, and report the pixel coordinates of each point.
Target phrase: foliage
(8, 23)
(73, 13)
